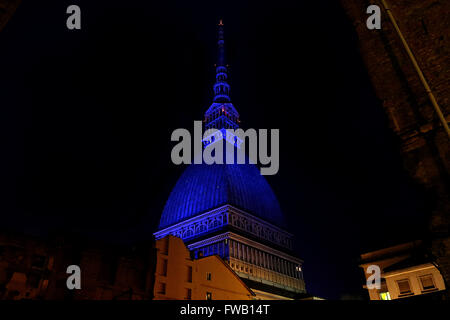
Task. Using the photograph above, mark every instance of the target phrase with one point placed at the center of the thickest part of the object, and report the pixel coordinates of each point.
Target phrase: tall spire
(221, 114)
(221, 87)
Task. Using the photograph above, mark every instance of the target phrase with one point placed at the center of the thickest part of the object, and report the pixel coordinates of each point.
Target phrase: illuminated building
(229, 210)
(180, 277)
(406, 271)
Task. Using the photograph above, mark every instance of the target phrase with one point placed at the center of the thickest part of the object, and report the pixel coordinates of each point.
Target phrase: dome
(203, 187)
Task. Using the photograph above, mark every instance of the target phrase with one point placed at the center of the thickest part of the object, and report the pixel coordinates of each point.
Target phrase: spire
(220, 45)
(221, 87)
(221, 114)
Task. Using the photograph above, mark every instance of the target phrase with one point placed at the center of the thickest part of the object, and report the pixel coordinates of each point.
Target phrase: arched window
(201, 228)
(188, 234)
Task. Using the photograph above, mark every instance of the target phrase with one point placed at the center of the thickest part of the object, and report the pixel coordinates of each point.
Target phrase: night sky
(86, 118)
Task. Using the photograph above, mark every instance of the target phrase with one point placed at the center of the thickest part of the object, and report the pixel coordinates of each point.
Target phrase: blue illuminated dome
(229, 210)
(204, 187)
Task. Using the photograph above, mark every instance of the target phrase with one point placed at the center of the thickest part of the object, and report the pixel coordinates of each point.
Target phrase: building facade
(35, 268)
(406, 271)
(179, 276)
(229, 210)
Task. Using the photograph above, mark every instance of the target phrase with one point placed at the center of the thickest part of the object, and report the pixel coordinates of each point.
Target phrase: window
(208, 276)
(189, 274)
(188, 233)
(164, 267)
(208, 296)
(165, 245)
(404, 287)
(188, 294)
(427, 282)
(161, 288)
(385, 296)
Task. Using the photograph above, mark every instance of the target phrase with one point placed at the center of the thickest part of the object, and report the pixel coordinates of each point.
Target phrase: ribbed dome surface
(203, 187)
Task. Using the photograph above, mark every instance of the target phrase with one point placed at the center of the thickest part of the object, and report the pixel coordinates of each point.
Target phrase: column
(239, 250)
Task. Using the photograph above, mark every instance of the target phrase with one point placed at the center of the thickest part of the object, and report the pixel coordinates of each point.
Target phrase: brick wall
(424, 143)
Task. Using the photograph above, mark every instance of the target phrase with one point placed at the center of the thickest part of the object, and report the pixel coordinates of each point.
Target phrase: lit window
(208, 296)
(208, 276)
(427, 282)
(404, 287)
(385, 296)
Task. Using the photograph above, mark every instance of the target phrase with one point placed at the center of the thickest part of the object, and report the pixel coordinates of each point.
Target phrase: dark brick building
(424, 143)
(35, 268)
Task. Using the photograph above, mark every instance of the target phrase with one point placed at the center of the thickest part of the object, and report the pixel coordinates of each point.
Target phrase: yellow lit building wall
(421, 279)
(402, 283)
(178, 277)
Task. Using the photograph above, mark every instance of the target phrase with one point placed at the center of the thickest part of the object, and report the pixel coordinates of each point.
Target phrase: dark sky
(86, 118)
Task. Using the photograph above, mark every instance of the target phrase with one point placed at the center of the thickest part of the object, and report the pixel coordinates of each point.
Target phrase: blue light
(202, 187)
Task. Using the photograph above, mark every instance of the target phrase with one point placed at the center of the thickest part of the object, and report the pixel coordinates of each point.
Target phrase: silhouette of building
(408, 63)
(36, 268)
